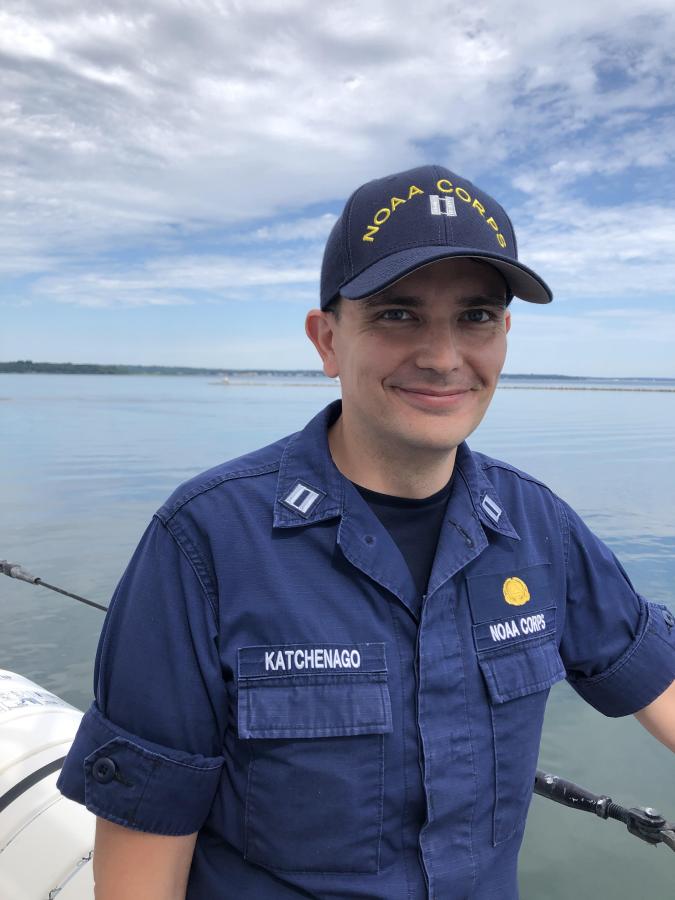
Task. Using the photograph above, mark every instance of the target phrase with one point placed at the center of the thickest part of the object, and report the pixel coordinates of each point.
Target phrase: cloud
(313, 229)
(188, 107)
(143, 145)
(184, 280)
(610, 342)
(595, 251)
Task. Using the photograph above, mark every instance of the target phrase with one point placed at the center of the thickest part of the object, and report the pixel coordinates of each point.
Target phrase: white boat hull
(46, 840)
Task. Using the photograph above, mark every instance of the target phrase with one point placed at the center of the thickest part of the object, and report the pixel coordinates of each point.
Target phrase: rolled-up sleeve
(148, 752)
(618, 648)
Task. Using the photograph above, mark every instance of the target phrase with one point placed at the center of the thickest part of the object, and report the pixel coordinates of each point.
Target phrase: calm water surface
(86, 461)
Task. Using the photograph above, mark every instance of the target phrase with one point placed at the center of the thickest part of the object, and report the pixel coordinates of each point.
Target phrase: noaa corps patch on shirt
(512, 606)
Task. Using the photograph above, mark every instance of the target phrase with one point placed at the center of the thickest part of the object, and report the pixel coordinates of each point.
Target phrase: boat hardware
(14, 570)
(644, 822)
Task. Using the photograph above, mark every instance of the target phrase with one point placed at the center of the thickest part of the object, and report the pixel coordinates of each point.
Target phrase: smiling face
(419, 362)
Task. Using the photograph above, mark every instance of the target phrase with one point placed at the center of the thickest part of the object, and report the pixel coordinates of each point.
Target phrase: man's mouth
(432, 398)
(434, 392)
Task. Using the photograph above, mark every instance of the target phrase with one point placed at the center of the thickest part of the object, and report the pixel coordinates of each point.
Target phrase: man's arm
(659, 717)
(137, 865)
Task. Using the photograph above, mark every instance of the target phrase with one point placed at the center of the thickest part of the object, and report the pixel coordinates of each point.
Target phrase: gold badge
(515, 591)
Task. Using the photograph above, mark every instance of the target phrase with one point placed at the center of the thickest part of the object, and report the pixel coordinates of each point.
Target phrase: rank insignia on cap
(515, 591)
(302, 498)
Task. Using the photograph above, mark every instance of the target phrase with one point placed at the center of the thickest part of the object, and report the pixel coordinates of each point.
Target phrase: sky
(169, 171)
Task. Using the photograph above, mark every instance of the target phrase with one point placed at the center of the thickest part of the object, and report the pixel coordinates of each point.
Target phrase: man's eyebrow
(414, 301)
(386, 299)
(484, 300)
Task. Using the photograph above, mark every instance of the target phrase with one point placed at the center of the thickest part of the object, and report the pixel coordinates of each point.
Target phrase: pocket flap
(314, 706)
(301, 691)
(521, 669)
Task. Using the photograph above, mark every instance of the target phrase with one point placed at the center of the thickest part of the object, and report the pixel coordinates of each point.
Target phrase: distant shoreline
(252, 377)
(505, 387)
(587, 387)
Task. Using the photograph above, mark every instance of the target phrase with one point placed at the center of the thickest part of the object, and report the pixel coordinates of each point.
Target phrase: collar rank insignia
(491, 508)
(302, 498)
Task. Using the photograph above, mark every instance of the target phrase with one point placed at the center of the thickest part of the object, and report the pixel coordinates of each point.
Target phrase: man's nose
(439, 349)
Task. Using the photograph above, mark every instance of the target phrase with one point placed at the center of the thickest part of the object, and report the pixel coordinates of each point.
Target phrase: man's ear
(320, 329)
(507, 320)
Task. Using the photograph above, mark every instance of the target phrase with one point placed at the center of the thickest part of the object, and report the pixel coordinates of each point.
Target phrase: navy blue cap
(393, 225)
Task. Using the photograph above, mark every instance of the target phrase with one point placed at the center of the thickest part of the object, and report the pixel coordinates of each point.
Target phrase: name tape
(310, 658)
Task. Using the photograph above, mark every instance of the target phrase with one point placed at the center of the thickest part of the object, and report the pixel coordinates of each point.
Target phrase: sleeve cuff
(137, 783)
(642, 673)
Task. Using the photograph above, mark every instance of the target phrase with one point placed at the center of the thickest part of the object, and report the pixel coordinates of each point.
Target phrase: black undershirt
(414, 525)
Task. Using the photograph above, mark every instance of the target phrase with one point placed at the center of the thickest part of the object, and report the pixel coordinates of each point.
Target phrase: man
(324, 672)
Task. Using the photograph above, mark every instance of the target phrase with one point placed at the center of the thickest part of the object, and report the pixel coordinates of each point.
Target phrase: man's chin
(440, 441)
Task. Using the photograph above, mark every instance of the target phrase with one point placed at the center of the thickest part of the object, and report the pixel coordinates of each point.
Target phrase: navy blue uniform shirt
(263, 678)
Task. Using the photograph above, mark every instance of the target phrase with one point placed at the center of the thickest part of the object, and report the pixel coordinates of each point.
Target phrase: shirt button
(669, 619)
(104, 769)
(369, 539)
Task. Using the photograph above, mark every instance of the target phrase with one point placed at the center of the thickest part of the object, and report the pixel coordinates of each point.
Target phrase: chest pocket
(315, 783)
(514, 625)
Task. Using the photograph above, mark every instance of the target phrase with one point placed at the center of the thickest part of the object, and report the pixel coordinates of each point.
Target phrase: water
(87, 459)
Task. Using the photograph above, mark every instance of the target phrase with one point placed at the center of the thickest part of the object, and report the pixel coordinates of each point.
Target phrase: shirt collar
(484, 498)
(310, 487)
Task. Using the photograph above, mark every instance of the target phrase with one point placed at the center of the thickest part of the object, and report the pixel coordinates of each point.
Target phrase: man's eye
(395, 315)
(479, 315)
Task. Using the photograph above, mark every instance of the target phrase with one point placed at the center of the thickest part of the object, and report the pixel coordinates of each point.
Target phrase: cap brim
(523, 282)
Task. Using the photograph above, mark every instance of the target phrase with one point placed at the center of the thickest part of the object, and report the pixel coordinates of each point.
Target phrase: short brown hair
(334, 306)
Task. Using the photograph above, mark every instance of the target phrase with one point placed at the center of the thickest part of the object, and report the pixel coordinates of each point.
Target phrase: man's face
(419, 362)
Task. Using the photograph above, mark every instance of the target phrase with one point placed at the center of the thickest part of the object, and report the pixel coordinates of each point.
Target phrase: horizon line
(216, 370)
